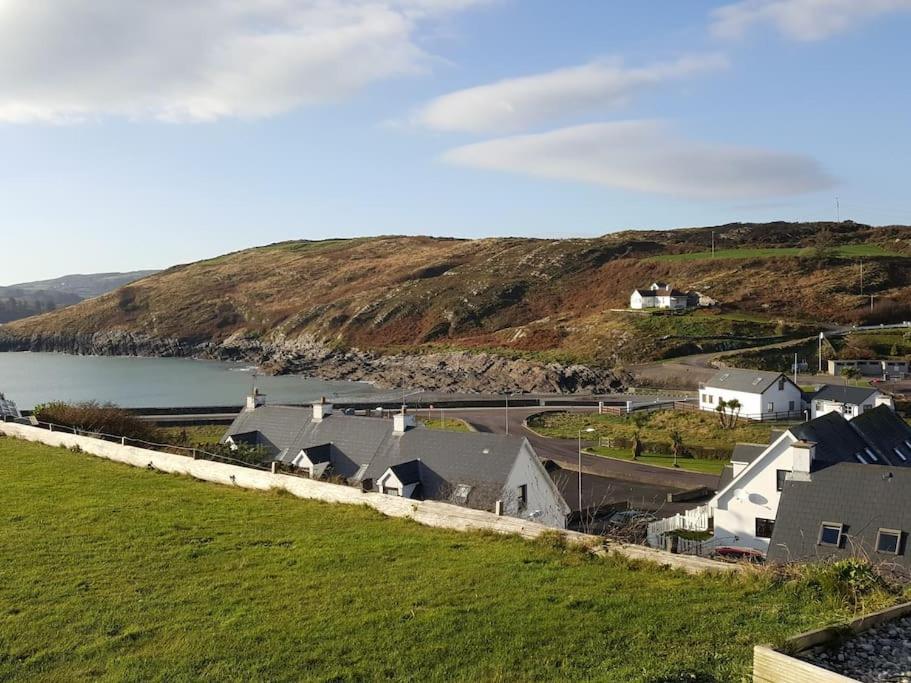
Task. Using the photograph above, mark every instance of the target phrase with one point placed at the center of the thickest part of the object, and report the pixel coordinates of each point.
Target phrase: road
(604, 480)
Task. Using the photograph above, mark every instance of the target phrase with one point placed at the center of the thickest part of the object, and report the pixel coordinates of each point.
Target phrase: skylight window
(871, 455)
(830, 534)
(757, 381)
(725, 376)
(908, 444)
(460, 495)
(900, 454)
(860, 458)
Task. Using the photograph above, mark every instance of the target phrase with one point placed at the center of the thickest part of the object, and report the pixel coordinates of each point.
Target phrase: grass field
(116, 573)
(846, 251)
(449, 424)
(701, 429)
(705, 466)
(195, 434)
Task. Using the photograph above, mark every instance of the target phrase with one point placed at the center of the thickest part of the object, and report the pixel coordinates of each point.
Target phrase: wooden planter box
(775, 666)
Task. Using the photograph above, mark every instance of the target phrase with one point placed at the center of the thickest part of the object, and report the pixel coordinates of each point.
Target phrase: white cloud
(648, 157)
(517, 103)
(200, 60)
(804, 20)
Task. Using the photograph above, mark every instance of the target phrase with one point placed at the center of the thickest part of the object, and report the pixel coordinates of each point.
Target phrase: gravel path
(875, 656)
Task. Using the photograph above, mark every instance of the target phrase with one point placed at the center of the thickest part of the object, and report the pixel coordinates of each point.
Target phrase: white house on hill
(660, 295)
(762, 395)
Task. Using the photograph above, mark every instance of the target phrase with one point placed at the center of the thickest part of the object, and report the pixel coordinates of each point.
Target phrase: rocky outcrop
(459, 371)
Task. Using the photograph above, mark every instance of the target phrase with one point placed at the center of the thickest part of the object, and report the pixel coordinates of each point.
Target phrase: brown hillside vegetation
(531, 298)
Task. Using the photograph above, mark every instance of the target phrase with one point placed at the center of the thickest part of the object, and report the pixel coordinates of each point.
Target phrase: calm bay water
(31, 378)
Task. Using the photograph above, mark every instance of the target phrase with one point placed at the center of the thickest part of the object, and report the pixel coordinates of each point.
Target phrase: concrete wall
(429, 513)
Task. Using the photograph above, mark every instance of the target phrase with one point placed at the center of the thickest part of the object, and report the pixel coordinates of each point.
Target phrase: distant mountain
(83, 286)
(31, 298)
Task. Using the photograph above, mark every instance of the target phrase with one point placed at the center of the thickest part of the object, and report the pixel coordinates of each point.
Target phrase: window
(764, 527)
(391, 491)
(780, 478)
(781, 384)
(791, 406)
(770, 408)
(830, 534)
(871, 455)
(523, 496)
(818, 405)
(899, 454)
(888, 540)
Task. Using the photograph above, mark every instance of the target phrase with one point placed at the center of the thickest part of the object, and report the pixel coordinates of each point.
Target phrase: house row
(662, 295)
(764, 395)
(491, 472)
(835, 486)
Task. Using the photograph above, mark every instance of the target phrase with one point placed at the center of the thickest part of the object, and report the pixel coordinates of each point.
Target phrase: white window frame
(831, 525)
(891, 532)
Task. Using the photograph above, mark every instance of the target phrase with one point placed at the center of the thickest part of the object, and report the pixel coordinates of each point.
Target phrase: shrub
(98, 418)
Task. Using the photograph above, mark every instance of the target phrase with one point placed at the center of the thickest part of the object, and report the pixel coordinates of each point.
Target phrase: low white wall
(427, 512)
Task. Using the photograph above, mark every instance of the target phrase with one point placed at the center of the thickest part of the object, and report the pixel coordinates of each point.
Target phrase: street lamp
(507, 395)
(588, 430)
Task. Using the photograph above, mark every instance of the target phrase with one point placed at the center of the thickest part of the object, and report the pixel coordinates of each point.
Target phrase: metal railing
(194, 452)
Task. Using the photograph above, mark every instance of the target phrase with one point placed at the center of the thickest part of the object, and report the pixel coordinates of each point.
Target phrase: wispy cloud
(650, 157)
(804, 20)
(67, 60)
(519, 103)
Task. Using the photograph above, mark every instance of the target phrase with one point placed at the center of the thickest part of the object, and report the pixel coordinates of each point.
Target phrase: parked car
(627, 517)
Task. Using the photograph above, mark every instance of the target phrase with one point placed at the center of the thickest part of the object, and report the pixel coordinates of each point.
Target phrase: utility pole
(507, 413)
(822, 335)
(837, 211)
(795, 369)
(861, 277)
(713, 242)
(871, 302)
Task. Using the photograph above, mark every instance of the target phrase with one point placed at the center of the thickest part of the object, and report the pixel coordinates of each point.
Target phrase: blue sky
(142, 134)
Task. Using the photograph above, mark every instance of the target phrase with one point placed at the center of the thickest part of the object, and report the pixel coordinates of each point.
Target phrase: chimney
(802, 455)
(321, 410)
(255, 400)
(402, 422)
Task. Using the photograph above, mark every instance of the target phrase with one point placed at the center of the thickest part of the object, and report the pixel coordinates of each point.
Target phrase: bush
(98, 418)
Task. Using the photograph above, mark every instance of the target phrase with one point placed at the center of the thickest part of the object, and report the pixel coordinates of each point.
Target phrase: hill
(115, 573)
(491, 314)
(31, 298)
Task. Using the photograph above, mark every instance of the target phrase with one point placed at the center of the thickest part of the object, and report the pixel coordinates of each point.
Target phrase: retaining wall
(428, 512)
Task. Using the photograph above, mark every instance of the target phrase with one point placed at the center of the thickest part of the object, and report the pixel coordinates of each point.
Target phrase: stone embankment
(457, 371)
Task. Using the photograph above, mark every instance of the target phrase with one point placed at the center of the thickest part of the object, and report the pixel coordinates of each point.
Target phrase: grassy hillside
(115, 573)
(526, 298)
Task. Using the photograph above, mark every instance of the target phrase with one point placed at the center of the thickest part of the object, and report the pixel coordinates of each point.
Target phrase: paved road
(565, 452)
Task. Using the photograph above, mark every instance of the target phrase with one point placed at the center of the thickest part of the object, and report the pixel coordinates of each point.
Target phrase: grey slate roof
(748, 452)
(748, 381)
(885, 432)
(843, 394)
(864, 498)
(408, 472)
(8, 409)
(447, 459)
(835, 439)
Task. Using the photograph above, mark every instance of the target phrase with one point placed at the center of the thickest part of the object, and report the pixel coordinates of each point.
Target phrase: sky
(142, 134)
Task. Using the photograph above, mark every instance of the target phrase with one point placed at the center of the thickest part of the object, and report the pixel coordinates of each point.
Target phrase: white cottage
(762, 395)
(849, 401)
(659, 295)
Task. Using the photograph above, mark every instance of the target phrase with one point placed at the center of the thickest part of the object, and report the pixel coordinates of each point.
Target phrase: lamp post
(587, 430)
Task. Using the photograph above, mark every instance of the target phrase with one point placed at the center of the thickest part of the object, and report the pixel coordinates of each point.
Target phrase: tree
(850, 373)
(677, 447)
(728, 411)
(637, 445)
(824, 246)
(894, 350)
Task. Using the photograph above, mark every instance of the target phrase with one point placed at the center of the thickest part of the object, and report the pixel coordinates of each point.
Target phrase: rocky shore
(458, 371)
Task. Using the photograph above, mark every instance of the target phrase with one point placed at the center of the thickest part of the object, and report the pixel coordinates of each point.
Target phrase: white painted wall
(639, 302)
(753, 404)
(735, 520)
(849, 410)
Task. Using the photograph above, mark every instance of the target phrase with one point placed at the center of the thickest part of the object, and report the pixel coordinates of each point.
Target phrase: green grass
(846, 251)
(449, 424)
(115, 573)
(699, 429)
(195, 434)
(705, 466)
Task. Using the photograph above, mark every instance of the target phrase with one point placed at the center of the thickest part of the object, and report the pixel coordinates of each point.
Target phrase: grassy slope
(115, 573)
(540, 299)
(847, 251)
(698, 428)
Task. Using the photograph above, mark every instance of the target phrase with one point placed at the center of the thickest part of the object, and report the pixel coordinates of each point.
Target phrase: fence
(786, 416)
(697, 519)
(665, 448)
(194, 452)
